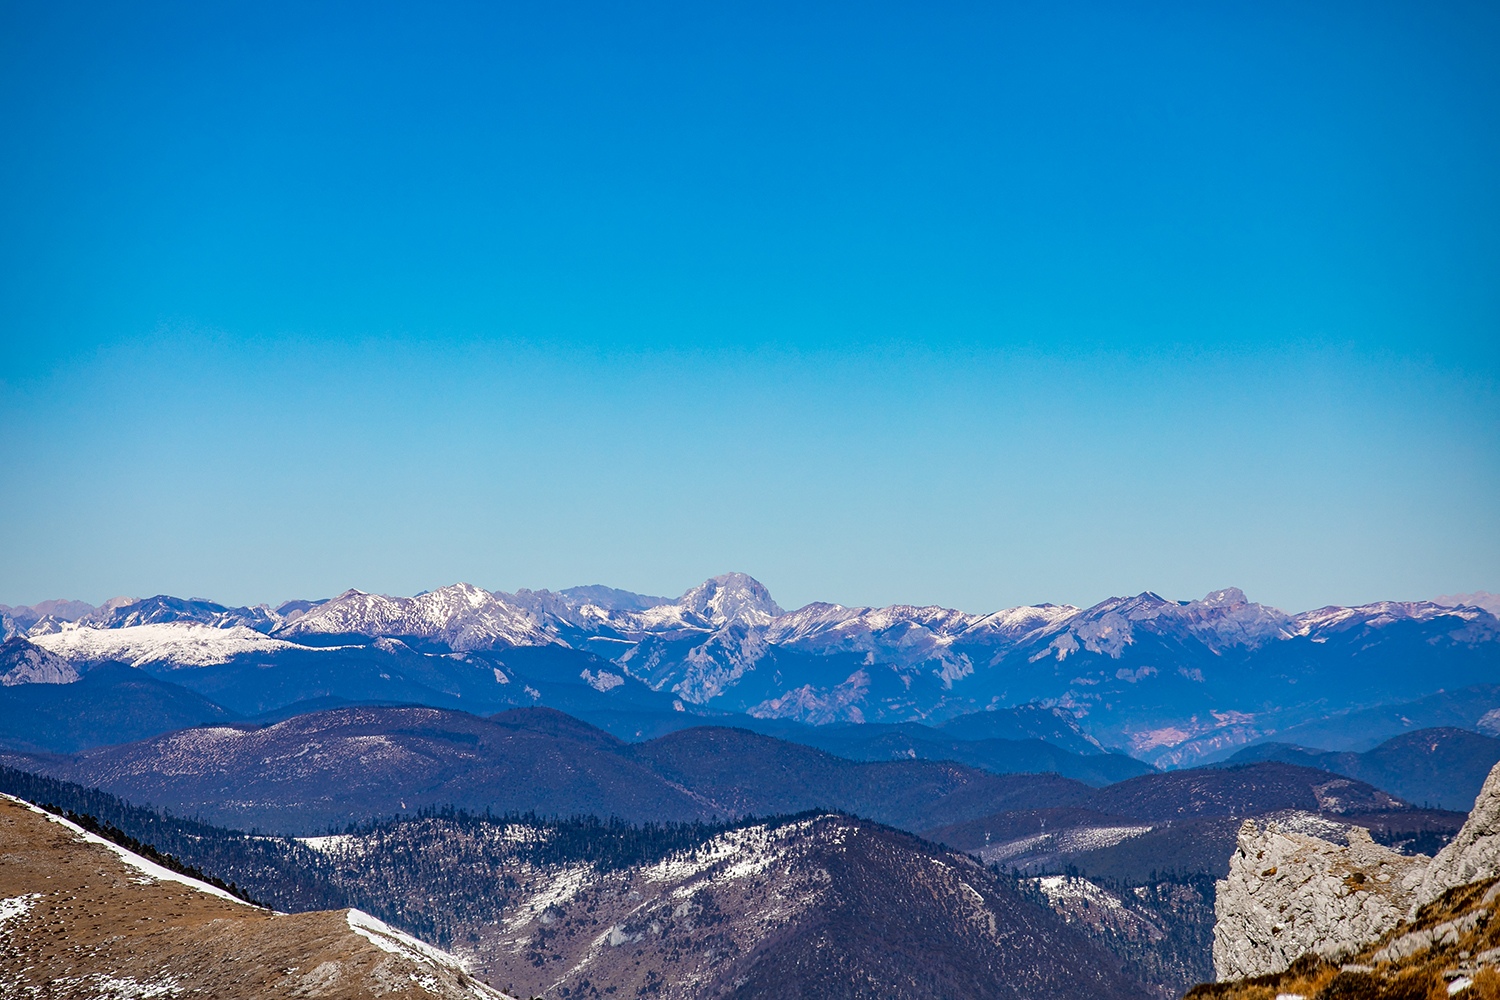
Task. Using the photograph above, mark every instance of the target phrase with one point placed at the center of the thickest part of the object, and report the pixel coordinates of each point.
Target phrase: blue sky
(977, 305)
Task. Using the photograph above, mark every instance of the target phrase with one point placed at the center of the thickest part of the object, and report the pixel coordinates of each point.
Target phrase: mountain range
(1171, 682)
(317, 769)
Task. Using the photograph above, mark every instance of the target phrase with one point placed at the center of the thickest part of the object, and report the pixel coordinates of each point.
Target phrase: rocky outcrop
(1288, 894)
(1445, 934)
(1475, 853)
(24, 663)
(1451, 949)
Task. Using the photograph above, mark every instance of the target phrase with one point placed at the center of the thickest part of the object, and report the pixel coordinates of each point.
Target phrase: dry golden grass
(93, 919)
(1418, 977)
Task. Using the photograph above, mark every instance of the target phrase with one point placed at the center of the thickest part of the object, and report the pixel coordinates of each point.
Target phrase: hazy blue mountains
(1171, 682)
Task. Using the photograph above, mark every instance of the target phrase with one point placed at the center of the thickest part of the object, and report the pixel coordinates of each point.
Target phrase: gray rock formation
(1288, 894)
(1443, 935)
(1475, 853)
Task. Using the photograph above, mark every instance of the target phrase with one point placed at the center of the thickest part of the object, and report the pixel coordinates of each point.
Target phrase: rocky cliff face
(23, 663)
(1289, 895)
(1472, 855)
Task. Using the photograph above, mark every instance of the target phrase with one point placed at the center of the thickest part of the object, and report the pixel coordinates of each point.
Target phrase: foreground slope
(82, 917)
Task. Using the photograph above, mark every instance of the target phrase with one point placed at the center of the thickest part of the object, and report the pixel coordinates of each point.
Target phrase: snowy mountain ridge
(1175, 681)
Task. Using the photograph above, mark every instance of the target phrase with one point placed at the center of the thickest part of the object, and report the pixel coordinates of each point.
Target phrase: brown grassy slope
(1427, 974)
(79, 921)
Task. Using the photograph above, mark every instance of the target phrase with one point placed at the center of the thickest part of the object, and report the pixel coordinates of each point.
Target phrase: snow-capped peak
(731, 598)
(461, 615)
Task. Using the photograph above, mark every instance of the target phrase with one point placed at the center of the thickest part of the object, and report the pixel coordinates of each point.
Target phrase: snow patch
(602, 681)
(104, 987)
(387, 938)
(180, 644)
(17, 906)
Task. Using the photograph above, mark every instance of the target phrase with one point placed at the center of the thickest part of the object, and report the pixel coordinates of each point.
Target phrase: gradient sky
(976, 305)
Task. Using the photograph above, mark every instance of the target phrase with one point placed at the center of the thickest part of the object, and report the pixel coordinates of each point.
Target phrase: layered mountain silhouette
(1172, 682)
(1445, 767)
(331, 768)
(810, 905)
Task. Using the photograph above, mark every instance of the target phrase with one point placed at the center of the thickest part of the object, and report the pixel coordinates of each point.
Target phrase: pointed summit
(733, 598)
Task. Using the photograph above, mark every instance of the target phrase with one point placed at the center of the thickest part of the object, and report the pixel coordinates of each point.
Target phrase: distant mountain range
(350, 764)
(1171, 682)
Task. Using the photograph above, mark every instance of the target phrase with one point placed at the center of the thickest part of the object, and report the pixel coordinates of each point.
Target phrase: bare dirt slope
(80, 917)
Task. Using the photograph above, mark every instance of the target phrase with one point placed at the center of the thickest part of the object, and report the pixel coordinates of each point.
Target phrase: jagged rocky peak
(1289, 894)
(1223, 618)
(461, 615)
(733, 598)
(1226, 617)
(163, 608)
(47, 625)
(1229, 597)
(290, 611)
(60, 609)
(1479, 599)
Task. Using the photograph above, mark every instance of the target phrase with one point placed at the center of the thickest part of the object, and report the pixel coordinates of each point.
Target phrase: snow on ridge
(1378, 613)
(150, 870)
(388, 939)
(176, 643)
(462, 615)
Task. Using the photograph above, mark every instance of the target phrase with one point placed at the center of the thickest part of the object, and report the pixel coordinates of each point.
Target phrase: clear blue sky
(977, 305)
